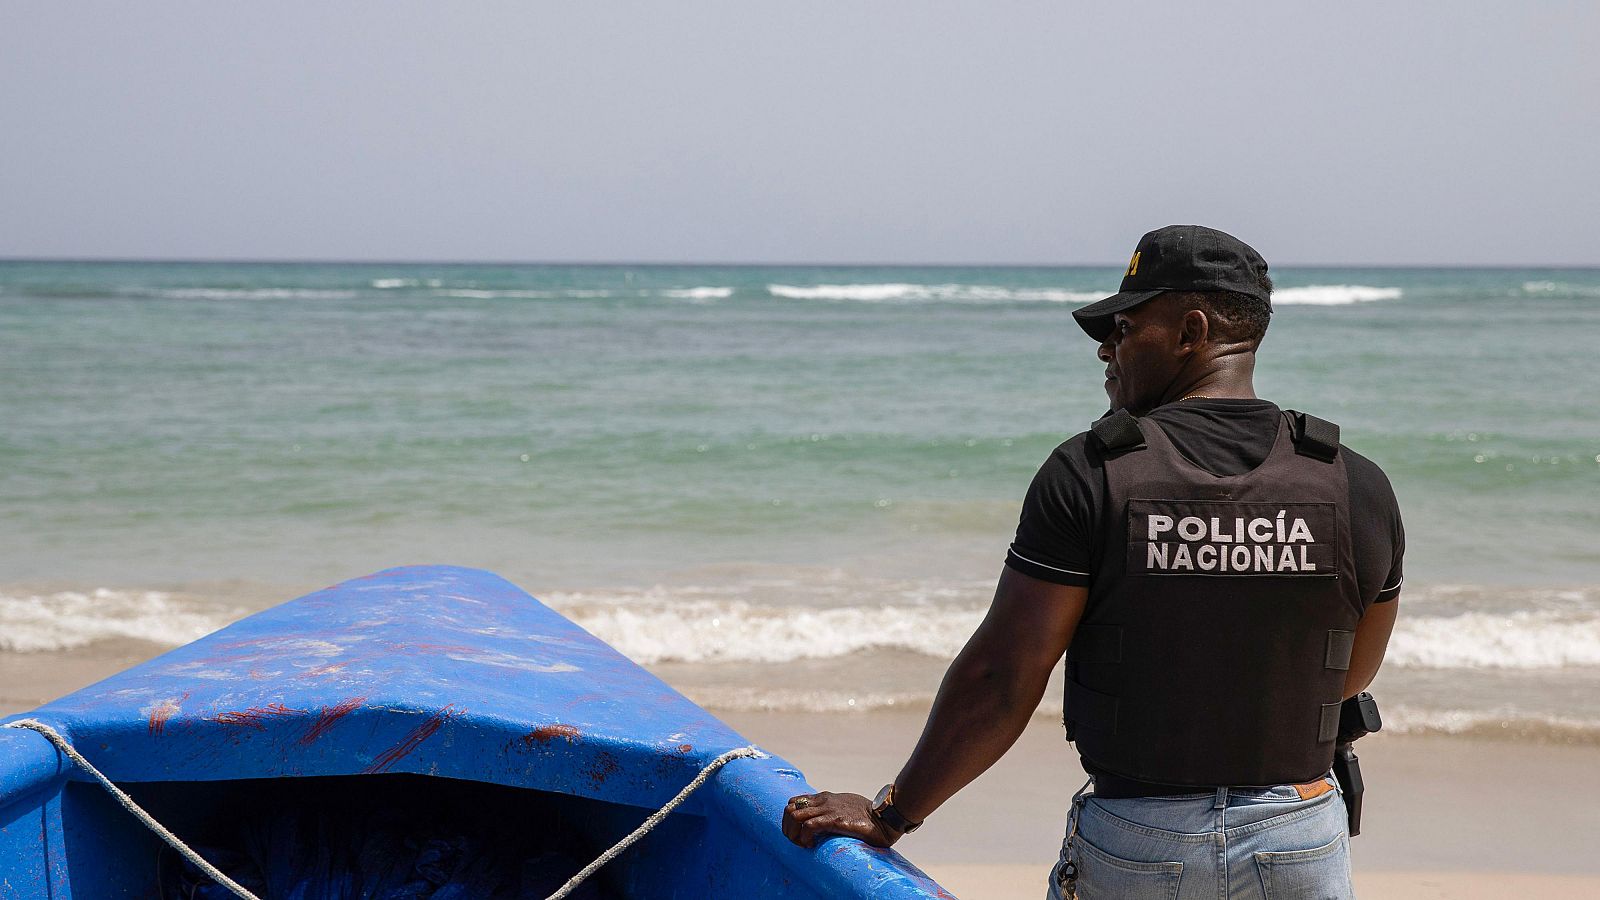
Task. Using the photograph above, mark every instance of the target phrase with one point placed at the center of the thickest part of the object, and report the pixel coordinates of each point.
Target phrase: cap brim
(1095, 319)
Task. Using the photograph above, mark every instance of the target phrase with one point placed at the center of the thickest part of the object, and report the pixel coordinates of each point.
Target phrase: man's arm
(984, 703)
(1372, 639)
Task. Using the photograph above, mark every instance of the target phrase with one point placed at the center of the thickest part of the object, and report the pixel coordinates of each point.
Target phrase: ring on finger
(802, 802)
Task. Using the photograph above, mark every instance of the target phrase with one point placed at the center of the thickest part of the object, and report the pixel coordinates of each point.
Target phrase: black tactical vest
(1218, 629)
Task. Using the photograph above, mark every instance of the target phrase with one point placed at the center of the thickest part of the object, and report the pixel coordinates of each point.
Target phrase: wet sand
(29, 679)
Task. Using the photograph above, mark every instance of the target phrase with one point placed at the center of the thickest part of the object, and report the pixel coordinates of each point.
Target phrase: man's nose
(1104, 352)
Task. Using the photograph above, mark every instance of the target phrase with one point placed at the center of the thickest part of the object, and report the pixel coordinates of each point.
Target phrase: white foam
(67, 619)
(391, 283)
(700, 293)
(1398, 718)
(1333, 294)
(666, 626)
(1515, 640)
(900, 292)
(745, 698)
(779, 620)
(1406, 719)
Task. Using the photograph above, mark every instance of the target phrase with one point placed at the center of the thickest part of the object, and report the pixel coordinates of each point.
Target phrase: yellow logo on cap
(1133, 264)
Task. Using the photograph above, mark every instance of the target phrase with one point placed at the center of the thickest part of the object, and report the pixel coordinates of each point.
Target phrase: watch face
(883, 796)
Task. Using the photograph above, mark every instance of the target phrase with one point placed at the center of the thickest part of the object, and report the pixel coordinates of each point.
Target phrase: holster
(1358, 717)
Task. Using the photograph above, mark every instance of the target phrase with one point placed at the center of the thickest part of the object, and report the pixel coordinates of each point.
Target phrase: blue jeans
(1236, 842)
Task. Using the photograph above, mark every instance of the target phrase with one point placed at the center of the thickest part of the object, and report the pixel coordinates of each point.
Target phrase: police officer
(1220, 574)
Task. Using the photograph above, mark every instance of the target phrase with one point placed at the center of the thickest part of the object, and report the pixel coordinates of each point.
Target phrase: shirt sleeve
(1052, 542)
(1396, 577)
(1380, 534)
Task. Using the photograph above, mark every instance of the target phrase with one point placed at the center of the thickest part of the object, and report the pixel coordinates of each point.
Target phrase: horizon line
(279, 261)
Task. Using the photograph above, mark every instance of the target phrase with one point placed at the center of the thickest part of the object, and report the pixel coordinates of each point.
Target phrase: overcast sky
(686, 131)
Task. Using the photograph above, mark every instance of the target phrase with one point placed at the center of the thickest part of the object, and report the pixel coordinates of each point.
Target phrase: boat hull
(413, 680)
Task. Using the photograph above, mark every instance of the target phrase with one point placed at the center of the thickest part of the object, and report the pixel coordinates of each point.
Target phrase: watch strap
(890, 815)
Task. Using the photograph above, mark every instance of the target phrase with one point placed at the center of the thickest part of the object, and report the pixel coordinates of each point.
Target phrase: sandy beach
(1445, 817)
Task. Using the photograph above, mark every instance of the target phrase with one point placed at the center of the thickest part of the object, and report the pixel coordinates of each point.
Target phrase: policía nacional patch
(1232, 538)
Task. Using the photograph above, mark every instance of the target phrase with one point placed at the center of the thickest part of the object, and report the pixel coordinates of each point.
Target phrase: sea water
(779, 487)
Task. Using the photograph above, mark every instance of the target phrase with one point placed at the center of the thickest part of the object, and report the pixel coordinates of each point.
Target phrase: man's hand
(809, 817)
(984, 702)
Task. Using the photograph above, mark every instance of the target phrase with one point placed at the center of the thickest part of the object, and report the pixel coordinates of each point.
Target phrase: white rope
(655, 818)
(216, 875)
(127, 803)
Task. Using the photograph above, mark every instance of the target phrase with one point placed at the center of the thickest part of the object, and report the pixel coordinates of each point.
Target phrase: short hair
(1235, 318)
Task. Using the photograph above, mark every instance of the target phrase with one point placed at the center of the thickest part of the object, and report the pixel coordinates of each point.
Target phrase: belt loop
(1222, 799)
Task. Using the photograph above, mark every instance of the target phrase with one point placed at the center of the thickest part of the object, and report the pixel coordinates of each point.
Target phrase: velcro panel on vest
(1119, 432)
(1314, 437)
(1328, 729)
(1232, 538)
(1096, 644)
(1092, 709)
(1340, 644)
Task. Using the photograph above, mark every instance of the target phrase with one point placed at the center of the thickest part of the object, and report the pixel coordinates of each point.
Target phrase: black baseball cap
(1179, 258)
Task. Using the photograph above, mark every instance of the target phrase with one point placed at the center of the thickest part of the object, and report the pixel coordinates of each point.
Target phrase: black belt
(1115, 787)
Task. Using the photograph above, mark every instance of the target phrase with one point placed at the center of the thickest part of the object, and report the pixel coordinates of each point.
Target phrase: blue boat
(423, 732)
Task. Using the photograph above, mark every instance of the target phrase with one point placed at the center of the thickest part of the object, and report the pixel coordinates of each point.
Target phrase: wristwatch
(883, 809)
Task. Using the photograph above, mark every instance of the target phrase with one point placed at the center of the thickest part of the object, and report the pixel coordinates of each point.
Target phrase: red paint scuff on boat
(409, 743)
(329, 716)
(254, 716)
(544, 734)
(165, 710)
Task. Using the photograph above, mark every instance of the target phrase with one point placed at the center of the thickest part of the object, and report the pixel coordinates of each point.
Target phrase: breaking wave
(63, 620)
(904, 292)
(1515, 640)
(699, 293)
(888, 292)
(897, 292)
(393, 283)
(1499, 723)
(1398, 718)
(1333, 294)
(666, 628)
(783, 620)
(702, 631)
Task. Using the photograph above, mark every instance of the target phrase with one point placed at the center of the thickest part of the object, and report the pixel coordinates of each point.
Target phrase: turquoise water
(171, 422)
(597, 432)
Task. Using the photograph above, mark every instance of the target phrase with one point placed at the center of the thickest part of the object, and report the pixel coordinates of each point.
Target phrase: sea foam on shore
(1479, 660)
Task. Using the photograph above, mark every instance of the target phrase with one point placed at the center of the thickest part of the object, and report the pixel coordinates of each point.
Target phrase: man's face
(1141, 356)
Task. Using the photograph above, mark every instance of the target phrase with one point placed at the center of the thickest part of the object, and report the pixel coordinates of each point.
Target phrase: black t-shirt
(1063, 517)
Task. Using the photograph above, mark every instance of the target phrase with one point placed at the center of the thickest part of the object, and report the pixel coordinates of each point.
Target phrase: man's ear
(1193, 330)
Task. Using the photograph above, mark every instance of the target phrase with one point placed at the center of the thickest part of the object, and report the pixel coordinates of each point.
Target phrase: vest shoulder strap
(1118, 432)
(1314, 437)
